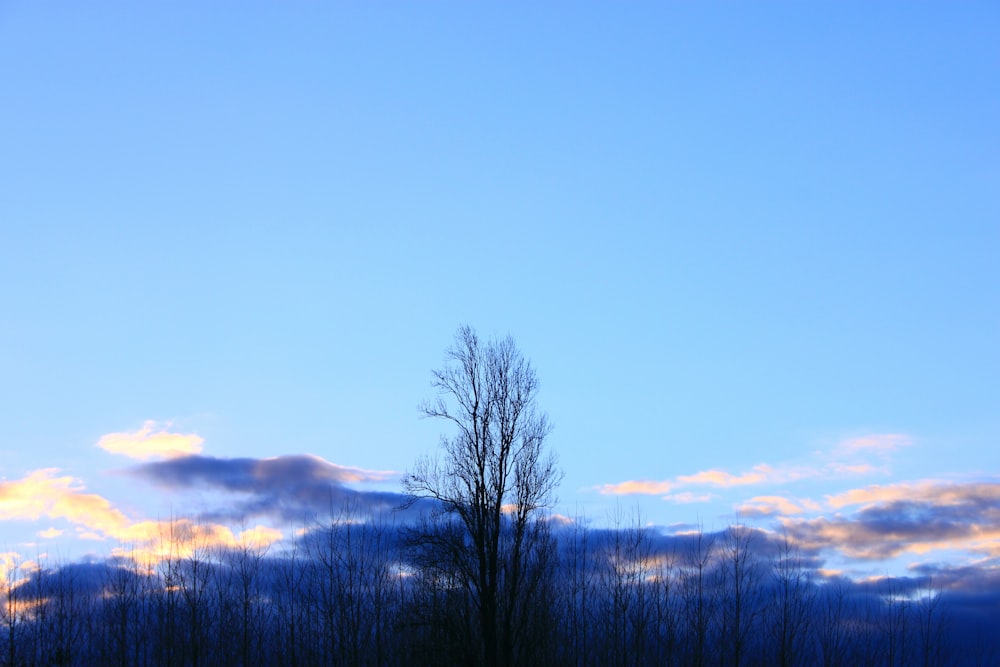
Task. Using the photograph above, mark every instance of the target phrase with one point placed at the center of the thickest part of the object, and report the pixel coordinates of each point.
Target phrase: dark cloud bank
(350, 593)
(353, 588)
(292, 488)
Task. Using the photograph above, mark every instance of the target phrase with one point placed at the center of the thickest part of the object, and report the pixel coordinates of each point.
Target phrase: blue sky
(750, 250)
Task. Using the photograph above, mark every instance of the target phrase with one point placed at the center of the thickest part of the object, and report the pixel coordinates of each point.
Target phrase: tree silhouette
(492, 482)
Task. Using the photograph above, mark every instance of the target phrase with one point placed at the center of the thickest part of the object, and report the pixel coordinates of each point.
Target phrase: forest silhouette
(475, 568)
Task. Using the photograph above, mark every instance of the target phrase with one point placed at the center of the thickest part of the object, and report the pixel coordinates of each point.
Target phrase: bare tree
(441, 623)
(353, 577)
(791, 608)
(578, 593)
(12, 614)
(624, 578)
(740, 587)
(833, 625)
(194, 579)
(494, 476)
(124, 609)
(664, 607)
(698, 597)
(895, 622)
(931, 624)
(291, 606)
(166, 597)
(241, 605)
(59, 608)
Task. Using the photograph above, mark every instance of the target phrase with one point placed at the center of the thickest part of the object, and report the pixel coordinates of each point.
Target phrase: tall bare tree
(494, 478)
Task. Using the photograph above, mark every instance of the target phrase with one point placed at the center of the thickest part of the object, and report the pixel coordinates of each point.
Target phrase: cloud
(775, 505)
(559, 519)
(853, 469)
(881, 443)
(290, 487)
(853, 457)
(907, 518)
(875, 522)
(759, 474)
(151, 441)
(152, 542)
(638, 486)
(291, 472)
(942, 494)
(687, 497)
(44, 494)
(10, 561)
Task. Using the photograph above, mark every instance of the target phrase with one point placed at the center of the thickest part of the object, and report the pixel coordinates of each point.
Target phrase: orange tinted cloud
(724, 479)
(918, 517)
(876, 494)
(638, 486)
(151, 441)
(560, 519)
(759, 474)
(771, 505)
(763, 473)
(938, 493)
(874, 541)
(10, 561)
(43, 494)
(155, 541)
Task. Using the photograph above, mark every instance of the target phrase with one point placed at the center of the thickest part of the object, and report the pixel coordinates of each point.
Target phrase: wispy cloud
(881, 443)
(759, 474)
(846, 459)
(151, 441)
(856, 469)
(687, 497)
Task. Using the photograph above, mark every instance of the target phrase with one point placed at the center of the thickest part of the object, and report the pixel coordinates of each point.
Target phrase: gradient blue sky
(727, 235)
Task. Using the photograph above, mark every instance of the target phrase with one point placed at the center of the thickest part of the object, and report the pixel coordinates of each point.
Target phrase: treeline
(479, 572)
(365, 592)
